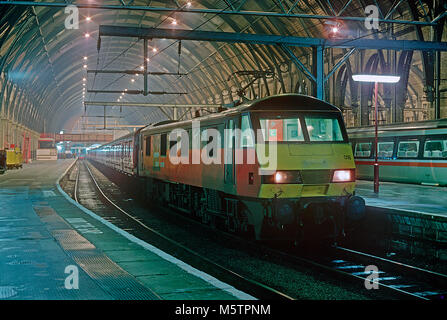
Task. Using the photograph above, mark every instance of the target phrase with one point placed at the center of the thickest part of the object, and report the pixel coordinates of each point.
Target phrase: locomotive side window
(229, 131)
(323, 128)
(385, 149)
(363, 150)
(282, 129)
(408, 149)
(148, 146)
(435, 148)
(163, 144)
(247, 139)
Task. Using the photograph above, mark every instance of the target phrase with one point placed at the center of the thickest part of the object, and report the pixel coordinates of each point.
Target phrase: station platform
(409, 198)
(52, 248)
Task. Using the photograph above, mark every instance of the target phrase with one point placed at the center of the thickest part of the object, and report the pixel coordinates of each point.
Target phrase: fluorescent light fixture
(375, 78)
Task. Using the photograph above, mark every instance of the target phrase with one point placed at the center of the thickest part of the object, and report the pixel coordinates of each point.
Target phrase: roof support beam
(149, 105)
(136, 92)
(267, 39)
(209, 11)
(339, 63)
(134, 72)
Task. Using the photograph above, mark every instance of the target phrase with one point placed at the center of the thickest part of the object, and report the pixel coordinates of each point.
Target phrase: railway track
(396, 279)
(255, 288)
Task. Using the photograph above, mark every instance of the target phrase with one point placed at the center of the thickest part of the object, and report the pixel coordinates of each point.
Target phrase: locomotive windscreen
(46, 144)
(302, 128)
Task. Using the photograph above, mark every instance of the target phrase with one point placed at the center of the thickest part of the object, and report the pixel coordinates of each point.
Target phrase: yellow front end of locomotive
(309, 170)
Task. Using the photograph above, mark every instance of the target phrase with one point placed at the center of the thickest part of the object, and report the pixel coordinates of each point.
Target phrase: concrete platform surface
(51, 248)
(412, 198)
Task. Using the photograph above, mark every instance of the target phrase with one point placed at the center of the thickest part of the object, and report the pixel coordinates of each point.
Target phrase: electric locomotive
(280, 167)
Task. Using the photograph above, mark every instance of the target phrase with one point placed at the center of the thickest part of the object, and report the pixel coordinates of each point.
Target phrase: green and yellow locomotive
(279, 168)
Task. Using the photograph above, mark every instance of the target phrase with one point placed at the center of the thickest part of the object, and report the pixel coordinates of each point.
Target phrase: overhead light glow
(125, 89)
(174, 22)
(188, 4)
(87, 35)
(154, 50)
(375, 78)
(85, 66)
(85, 57)
(88, 18)
(84, 79)
(334, 29)
(133, 80)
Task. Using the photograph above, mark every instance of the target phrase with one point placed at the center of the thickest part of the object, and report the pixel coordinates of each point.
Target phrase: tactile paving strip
(114, 280)
(108, 275)
(71, 240)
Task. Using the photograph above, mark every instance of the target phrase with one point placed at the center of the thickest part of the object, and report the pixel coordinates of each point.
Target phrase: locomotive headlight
(343, 175)
(280, 177)
(283, 177)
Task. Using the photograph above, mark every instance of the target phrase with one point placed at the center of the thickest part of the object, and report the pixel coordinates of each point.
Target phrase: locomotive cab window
(385, 149)
(435, 148)
(287, 129)
(408, 149)
(323, 128)
(363, 150)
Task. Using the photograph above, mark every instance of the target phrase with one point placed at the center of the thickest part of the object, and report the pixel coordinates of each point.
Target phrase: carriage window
(247, 138)
(163, 144)
(435, 149)
(408, 149)
(323, 128)
(385, 149)
(148, 146)
(363, 150)
(282, 129)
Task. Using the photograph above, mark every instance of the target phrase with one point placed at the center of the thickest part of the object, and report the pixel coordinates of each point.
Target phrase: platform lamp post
(376, 79)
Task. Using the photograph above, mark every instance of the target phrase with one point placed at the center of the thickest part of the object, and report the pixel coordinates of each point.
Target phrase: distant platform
(411, 198)
(45, 236)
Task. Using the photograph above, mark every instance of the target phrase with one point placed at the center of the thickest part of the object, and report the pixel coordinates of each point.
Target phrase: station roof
(42, 63)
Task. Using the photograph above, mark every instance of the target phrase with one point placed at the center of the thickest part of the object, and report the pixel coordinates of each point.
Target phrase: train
(278, 168)
(413, 152)
(47, 149)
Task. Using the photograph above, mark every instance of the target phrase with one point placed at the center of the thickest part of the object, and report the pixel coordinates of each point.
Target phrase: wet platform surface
(412, 198)
(45, 240)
